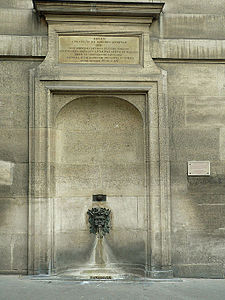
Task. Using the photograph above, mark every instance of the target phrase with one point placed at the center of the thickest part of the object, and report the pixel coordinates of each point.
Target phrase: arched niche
(99, 149)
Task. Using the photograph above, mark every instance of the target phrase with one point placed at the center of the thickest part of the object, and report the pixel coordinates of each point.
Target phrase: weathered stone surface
(6, 171)
(222, 143)
(195, 144)
(98, 113)
(113, 179)
(174, 25)
(177, 111)
(16, 74)
(13, 252)
(73, 249)
(192, 79)
(128, 212)
(39, 179)
(199, 271)
(16, 4)
(21, 22)
(60, 102)
(220, 79)
(173, 48)
(128, 246)
(191, 6)
(18, 138)
(97, 149)
(23, 45)
(71, 213)
(12, 111)
(200, 217)
(205, 111)
(102, 147)
(13, 214)
(19, 186)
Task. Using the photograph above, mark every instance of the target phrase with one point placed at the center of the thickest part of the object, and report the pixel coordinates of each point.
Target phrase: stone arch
(105, 96)
(100, 150)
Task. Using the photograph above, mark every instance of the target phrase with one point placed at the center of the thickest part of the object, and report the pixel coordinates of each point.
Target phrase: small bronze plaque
(99, 197)
(198, 168)
(100, 277)
(99, 49)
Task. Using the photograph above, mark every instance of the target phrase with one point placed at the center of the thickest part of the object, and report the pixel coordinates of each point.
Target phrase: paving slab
(27, 287)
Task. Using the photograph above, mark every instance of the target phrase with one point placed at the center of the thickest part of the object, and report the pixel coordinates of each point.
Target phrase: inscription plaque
(89, 49)
(198, 168)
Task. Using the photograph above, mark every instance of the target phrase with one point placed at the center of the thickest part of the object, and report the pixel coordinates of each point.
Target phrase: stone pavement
(26, 288)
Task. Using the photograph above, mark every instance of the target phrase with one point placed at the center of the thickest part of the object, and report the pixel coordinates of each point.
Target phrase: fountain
(99, 266)
(99, 219)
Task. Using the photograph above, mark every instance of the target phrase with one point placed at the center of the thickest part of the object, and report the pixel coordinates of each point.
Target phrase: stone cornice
(99, 8)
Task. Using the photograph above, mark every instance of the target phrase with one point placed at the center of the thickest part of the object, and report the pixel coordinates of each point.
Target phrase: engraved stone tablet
(90, 49)
(198, 168)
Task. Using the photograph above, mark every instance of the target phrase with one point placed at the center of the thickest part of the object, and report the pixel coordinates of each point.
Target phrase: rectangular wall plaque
(198, 168)
(99, 197)
(90, 49)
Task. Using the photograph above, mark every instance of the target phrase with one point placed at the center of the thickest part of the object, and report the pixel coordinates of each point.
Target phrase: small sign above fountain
(99, 197)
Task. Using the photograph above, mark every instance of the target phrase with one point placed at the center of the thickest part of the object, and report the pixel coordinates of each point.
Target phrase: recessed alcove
(99, 149)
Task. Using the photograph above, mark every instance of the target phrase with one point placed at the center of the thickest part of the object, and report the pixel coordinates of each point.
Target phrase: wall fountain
(100, 234)
(99, 128)
(99, 219)
(99, 266)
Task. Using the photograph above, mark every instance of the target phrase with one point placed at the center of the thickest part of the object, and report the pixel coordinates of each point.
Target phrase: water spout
(99, 256)
(101, 264)
(99, 219)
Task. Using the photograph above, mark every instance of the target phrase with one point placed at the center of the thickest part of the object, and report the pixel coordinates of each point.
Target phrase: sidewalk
(26, 288)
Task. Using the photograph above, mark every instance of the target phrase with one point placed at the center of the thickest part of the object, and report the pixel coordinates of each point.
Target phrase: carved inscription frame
(100, 49)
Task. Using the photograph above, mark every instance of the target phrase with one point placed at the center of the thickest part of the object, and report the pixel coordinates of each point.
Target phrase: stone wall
(188, 42)
(21, 34)
(196, 114)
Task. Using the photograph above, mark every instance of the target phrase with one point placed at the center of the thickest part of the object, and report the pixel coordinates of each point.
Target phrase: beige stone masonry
(6, 172)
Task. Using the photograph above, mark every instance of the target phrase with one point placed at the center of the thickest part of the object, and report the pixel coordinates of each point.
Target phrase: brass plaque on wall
(198, 168)
(90, 49)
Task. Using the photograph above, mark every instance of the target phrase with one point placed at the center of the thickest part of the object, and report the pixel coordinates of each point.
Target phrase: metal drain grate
(100, 277)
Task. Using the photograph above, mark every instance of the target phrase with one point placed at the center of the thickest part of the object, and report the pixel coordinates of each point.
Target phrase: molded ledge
(99, 8)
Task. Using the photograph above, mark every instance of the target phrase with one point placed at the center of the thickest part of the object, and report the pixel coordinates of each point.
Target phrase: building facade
(123, 99)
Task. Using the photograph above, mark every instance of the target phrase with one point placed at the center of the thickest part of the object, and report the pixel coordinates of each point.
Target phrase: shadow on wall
(74, 257)
(207, 194)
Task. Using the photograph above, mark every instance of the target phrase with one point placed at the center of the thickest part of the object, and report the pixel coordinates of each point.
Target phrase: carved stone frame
(41, 152)
(147, 79)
